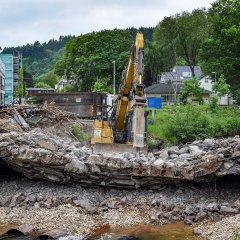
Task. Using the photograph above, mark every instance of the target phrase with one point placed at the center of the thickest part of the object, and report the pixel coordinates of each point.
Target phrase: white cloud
(27, 21)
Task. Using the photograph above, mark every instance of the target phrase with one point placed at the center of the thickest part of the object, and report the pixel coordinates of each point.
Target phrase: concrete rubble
(40, 156)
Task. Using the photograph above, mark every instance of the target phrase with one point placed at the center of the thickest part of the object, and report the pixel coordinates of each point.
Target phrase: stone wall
(39, 156)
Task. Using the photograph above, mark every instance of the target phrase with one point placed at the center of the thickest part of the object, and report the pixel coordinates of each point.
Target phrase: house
(61, 84)
(2, 82)
(185, 71)
(169, 84)
(166, 90)
(179, 74)
(171, 91)
(169, 76)
(206, 83)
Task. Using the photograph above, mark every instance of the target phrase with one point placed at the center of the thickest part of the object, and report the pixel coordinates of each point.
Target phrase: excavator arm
(127, 123)
(131, 102)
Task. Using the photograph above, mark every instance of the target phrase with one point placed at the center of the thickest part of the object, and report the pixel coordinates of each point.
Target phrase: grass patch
(78, 133)
(182, 124)
(236, 236)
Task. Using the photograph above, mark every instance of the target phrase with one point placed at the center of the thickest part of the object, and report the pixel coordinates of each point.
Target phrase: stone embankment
(40, 156)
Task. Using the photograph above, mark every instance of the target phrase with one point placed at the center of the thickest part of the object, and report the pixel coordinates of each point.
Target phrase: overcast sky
(27, 21)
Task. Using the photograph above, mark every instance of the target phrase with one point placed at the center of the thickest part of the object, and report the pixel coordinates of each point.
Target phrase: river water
(175, 231)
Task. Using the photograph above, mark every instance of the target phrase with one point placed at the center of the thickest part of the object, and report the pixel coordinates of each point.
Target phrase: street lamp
(215, 76)
(114, 80)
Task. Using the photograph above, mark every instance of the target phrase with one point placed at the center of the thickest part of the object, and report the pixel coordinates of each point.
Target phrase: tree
(156, 59)
(89, 57)
(49, 78)
(182, 36)
(221, 50)
(103, 85)
(146, 31)
(237, 96)
(220, 87)
(42, 85)
(28, 79)
(24, 88)
(192, 89)
(39, 58)
(69, 88)
(20, 85)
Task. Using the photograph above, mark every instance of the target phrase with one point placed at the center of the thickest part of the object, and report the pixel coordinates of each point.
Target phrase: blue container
(154, 102)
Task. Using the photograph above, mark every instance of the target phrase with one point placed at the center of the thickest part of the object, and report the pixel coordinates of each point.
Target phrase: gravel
(222, 230)
(115, 207)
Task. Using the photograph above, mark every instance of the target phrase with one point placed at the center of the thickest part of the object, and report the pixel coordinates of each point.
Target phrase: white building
(2, 82)
(61, 84)
(207, 83)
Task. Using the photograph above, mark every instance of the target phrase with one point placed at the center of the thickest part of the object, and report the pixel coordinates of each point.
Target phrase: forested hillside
(40, 58)
(146, 31)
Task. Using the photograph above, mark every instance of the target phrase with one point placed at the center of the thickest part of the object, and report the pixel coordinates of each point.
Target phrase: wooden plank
(20, 120)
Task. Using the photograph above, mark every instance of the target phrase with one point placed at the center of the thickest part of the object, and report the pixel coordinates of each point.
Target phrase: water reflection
(175, 231)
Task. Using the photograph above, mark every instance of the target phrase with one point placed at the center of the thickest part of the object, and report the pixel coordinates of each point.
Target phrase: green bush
(237, 97)
(213, 103)
(32, 99)
(77, 133)
(236, 236)
(184, 124)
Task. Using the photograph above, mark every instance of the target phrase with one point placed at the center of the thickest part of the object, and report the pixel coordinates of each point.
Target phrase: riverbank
(80, 211)
(196, 184)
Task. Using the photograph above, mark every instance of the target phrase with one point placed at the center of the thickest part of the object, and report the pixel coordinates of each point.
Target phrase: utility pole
(114, 80)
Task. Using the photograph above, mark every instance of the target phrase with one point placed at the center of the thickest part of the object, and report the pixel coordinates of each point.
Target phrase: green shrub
(32, 99)
(213, 103)
(237, 97)
(77, 133)
(184, 124)
(236, 235)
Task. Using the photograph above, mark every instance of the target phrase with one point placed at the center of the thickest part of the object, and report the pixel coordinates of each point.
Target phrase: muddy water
(174, 231)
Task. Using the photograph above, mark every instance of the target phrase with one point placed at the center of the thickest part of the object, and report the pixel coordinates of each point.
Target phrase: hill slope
(40, 58)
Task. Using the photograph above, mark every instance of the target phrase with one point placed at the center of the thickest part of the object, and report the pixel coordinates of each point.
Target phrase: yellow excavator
(125, 129)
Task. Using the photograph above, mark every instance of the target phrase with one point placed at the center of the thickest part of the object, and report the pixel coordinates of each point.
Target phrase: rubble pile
(40, 156)
(51, 119)
(36, 114)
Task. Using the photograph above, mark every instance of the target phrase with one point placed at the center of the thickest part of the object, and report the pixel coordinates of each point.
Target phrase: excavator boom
(127, 124)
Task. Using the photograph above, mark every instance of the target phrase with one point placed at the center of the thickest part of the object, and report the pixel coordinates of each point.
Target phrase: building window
(206, 80)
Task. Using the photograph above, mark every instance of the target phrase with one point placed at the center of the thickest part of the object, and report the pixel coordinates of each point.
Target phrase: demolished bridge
(40, 156)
